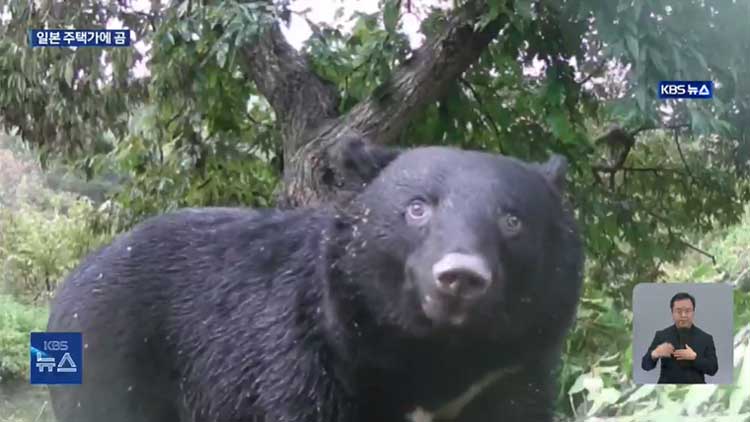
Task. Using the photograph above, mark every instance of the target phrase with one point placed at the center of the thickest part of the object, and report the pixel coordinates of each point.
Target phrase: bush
(43, 233)
(16, 322)
(39, 246)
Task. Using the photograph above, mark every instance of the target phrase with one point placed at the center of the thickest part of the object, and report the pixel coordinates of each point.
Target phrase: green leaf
(739, 396)
(391, 15)
(497, 7)
(69, 69)
(642, 392)
(679, 63)
(698, 121)
(221, 53)
(637, 7)
(701, 271)
(696, 396)
(658, 62)
(631, 43)
(701, 59)
(182, 9)
(338, 15)
(641, 97)
(525, 8)
(578, 384)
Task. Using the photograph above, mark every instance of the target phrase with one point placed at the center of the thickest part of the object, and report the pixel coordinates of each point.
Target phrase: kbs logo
(56, 358)
(686, 89)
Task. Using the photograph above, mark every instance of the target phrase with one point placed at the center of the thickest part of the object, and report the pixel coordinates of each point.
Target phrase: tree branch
(682, 157)
(667, 224)
(653, 127)
(300, 99)
(697, 249)
(424, 78)
(381, 117)
(620, 142)
(593, 73)
(490, 121)
(656, 170)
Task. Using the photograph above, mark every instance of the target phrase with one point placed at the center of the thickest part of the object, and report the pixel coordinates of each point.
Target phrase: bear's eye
(510, 224)
(418, 212)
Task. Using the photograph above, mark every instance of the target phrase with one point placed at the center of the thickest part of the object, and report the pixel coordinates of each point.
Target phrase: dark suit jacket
(687, 372)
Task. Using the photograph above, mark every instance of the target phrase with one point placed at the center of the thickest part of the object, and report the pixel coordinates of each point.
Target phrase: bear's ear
(362, 159)
(555, 170)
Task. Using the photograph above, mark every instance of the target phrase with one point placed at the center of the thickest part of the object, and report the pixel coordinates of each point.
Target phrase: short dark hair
(681, 296)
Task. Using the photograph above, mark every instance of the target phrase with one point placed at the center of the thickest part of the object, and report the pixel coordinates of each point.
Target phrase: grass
(22, 402)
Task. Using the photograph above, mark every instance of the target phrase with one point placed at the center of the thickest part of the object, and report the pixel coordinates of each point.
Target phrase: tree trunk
(314, 134)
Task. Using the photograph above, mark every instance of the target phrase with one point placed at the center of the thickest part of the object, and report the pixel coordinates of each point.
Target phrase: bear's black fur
(450, 265)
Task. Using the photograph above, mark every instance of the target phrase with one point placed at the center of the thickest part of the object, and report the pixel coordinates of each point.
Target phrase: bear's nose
(466, 276)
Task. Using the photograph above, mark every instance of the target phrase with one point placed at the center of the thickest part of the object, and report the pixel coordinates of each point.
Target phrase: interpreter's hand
(663, 350)
(685, 354)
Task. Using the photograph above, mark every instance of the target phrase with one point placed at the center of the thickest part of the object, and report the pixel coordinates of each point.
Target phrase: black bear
(442, 291)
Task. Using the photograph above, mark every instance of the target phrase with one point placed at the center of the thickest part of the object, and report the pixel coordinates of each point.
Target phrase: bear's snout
(462, 275)
(458, 281)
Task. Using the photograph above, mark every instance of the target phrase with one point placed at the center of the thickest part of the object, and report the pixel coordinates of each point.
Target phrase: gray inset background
(713, 314)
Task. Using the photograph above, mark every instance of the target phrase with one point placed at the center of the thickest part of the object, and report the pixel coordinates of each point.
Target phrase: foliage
(16, 322)
(40, 246)
(605, 391)
(631, 231)
(195, 131)
(596, 376)
(88, 100)
(43, 234)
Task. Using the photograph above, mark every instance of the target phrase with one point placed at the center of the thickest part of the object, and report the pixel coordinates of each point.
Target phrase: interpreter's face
(682, 313)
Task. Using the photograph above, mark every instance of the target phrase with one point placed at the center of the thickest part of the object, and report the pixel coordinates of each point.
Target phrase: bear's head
(464, 241)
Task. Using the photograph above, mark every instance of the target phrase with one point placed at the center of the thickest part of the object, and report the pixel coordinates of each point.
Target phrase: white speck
(130, 388)
(428, 298)
(78, 404)
(458, 320)
(262, 248)
(129, 248)
(86, 346)
(419, 415)
(99, 277)
(145, 339)
(75, 315)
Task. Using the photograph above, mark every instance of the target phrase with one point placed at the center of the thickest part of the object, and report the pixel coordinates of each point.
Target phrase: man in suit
(687, 353)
